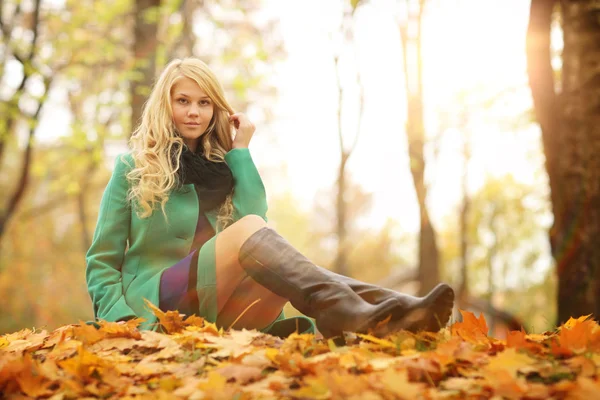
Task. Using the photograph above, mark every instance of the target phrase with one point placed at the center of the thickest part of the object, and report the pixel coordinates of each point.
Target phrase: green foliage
(507, 238)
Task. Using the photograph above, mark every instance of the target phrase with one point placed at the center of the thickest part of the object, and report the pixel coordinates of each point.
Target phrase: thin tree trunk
(184, 44)
(415, 132)
(340, 263)
(491, 257)
(10, 108)
(85, 184)
(23, 181)
(144, 50)
(463, 289)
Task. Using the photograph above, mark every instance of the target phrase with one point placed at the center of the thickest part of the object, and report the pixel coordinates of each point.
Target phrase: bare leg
(234, 293)
(259, 315)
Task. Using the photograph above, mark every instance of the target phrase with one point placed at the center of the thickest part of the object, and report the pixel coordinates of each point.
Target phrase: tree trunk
(415, 132)
(144, 50)
(571, 139)
(340, 263)
(463, 289)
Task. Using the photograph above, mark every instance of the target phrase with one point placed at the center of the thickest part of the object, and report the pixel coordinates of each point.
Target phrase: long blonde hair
(155, 143)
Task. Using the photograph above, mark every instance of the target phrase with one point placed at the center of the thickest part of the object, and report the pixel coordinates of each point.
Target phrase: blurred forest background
(403, 142)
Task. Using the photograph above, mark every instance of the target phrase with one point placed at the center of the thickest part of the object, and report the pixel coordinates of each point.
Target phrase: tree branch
(24, 177)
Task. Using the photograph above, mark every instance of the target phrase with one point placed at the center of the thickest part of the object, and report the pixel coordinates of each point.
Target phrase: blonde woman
(182, 223)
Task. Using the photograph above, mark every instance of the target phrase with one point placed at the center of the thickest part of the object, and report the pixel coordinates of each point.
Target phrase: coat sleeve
(249, 196)
(106, 253)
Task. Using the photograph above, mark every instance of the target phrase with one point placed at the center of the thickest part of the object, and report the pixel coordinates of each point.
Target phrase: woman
(182, 223)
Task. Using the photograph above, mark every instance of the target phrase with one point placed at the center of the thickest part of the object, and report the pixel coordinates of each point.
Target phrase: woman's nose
(193, 110)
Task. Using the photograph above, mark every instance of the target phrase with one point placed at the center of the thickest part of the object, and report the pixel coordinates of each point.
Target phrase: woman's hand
(244, 130)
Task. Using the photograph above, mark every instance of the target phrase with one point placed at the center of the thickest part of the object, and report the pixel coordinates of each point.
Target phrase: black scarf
(213, 180)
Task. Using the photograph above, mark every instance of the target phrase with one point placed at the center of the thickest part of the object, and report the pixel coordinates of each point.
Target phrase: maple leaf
(25, 340)
(121, 329)
(59, 335)
(575, 321)
(84, 364)
(510, 361)
(88, 334)
(194, 320)
(472, 329)
(172, 321)
(519, 340)
(579, 337)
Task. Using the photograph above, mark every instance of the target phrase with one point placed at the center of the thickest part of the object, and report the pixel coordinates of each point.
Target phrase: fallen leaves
(196, 360)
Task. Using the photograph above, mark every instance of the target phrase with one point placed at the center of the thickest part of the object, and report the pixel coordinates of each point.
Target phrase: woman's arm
(249, 195)
(105, 255)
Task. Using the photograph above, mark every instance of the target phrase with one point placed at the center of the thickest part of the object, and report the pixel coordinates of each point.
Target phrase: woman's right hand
(244, 130)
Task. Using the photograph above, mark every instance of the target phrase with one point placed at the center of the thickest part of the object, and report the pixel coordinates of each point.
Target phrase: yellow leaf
(172, 321)
(397, 382)
(381, 342)
(271, 354)
(509, 360)
(214, 382)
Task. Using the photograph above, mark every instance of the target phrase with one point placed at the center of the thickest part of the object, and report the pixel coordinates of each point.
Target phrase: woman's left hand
(244, 130)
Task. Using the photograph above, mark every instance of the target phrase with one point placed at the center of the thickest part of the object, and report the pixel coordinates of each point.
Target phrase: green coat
(128, 255)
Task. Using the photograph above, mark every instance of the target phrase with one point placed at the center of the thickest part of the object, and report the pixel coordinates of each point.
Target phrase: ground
(196, 360)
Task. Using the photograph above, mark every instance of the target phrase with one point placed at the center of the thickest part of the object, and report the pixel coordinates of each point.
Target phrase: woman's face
(192, 110)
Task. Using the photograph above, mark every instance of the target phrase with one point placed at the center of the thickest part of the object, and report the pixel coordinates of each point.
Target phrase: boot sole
(366, 327)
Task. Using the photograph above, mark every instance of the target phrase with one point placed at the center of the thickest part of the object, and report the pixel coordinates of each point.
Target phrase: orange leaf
(518, 340)
(580, 336)
(88, 334)
(574, 321)
(471, 329)
(172, 321)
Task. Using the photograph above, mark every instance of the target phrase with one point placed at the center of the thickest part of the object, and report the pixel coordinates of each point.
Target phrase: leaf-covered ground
(198, 361)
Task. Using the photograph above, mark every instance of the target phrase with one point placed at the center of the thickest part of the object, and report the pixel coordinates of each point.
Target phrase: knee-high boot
(329, 298)
(275, 264)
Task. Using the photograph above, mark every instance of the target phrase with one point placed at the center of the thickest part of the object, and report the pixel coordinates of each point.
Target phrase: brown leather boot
(428, 313)
(275, 264)
(338, 303)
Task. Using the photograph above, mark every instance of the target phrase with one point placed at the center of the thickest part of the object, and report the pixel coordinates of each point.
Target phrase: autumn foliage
(194, 359)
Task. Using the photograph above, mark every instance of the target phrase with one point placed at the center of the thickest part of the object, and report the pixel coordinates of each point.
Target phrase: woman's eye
(182, 101)
(205, 102)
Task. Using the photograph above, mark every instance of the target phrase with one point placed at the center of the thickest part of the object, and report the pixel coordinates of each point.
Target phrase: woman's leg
(259, 315)
(235, 291)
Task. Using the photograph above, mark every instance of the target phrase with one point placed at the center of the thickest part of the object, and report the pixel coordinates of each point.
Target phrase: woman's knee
(252, 220)
(248, 224)
(238, 232)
